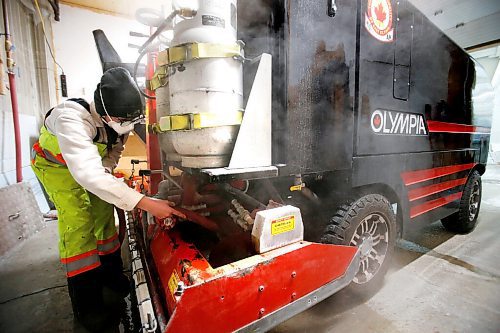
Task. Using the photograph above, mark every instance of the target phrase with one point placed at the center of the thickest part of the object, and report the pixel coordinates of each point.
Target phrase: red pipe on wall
(17, 132)
(13, 93)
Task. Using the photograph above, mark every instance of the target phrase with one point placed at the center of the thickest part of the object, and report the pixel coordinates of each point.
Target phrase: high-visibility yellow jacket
(73, 130)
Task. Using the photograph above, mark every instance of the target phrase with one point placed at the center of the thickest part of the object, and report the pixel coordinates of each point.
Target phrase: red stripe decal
(109, 240)
(83, 270)
(423, 192)
(414, 177)
(433, 204)
(442, 127)
(78, 257)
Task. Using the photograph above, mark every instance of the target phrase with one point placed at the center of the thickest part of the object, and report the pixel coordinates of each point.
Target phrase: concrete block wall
(19, 217)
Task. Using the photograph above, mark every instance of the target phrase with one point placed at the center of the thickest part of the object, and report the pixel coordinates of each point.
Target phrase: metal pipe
(13, 92)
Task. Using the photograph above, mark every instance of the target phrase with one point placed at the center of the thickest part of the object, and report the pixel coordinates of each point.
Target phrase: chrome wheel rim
(475, 198)
(372, 238)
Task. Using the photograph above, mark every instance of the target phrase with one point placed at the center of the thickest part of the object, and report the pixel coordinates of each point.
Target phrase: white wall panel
(76, 50)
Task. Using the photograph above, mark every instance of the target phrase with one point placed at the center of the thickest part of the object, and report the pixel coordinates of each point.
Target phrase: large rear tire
(465, 220)
(370, 224)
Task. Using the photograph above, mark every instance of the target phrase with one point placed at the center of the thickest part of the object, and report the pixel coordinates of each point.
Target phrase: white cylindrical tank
(212, 85)
(162, 110)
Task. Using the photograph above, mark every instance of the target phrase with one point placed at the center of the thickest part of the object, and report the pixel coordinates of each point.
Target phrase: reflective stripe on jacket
(48, 148)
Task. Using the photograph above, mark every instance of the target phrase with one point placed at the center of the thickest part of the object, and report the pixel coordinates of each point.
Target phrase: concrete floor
(439, 282)
(33, 292)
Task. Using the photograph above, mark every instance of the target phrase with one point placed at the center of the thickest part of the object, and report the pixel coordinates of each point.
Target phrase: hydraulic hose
(243, 197)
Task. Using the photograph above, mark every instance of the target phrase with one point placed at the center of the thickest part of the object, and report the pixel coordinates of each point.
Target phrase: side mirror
(332, 8)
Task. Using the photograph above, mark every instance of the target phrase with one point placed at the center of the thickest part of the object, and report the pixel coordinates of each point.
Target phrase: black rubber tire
(460, 222)
(343, 225)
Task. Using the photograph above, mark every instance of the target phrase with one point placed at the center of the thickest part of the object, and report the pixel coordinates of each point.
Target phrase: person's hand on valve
(159, 208)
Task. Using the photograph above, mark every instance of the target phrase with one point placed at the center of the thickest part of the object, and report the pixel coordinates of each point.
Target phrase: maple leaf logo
(380, 13)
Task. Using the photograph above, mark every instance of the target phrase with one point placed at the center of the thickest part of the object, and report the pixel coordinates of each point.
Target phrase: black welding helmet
(118, 94)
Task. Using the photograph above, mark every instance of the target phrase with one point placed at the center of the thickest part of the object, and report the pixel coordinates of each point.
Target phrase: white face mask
(117, 127)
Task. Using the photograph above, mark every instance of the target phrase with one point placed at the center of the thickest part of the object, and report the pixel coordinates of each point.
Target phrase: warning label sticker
(282, 225)
(213, 21)
(173, 282)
